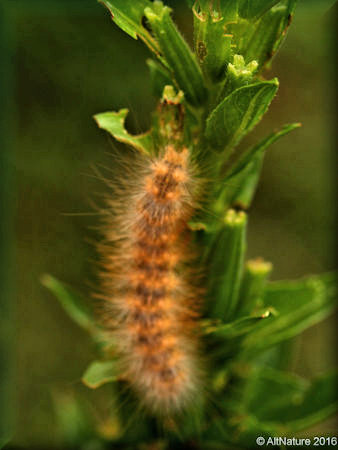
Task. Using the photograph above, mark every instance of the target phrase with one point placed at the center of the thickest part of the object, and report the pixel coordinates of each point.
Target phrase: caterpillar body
(151, 305)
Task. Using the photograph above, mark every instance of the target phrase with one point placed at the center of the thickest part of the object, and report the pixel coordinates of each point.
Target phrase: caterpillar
(151, 306)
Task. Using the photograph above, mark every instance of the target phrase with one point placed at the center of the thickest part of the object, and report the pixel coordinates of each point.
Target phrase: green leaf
(299, 305)
(293, 403)
(283, 391)
(249, 9)
(225, 265)
(236, 328)
(253, 285)
(222, 9)
(238, 113)
(212, 44)
(319, 401)
(99, 373)
(240, 185)
(267, 37)
(277, 357)
(72, 303)
(247, 156)
(229, 9)
(113, 122)
(174, 49)
(233, 429)
(128, 16)
(260, 39)
(159, 75)
(289, 404)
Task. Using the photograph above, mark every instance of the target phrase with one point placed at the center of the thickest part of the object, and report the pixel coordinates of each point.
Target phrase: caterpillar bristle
(151, 306)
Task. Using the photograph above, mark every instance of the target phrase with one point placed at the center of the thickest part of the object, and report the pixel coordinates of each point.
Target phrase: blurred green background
(67, 61)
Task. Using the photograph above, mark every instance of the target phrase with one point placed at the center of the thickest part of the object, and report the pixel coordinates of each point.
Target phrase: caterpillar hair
(150, 303)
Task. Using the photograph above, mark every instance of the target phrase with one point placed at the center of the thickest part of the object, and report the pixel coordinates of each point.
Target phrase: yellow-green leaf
(128, 16)
(113, 122)
(99, 373)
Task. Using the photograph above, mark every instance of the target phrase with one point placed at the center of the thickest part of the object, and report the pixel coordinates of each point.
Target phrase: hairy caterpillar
(151, 306)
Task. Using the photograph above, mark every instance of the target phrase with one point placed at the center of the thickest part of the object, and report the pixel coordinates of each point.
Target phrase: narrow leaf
(236, 328)
(238, 113)
(241, 183)
(174, 49)
(113, 122)
(99, 373)
(222, 9)
(73, 304)
(283, 388)
(225, 265)
(229, 9)
(293, 403)
(242, 187)
(269, 34)
(248, 155)
(276, 403)
(318, 403)
(299, 305)
(249, 9)
(128, 16)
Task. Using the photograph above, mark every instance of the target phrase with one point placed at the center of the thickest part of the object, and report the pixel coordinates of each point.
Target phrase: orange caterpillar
(151, 306)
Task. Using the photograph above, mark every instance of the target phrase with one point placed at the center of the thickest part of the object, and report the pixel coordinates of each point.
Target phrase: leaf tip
(99, 373)
(46, 280)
